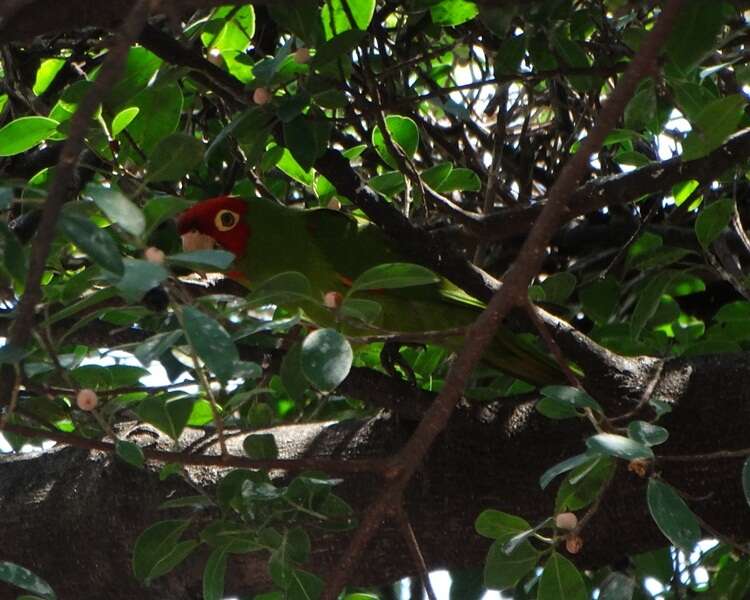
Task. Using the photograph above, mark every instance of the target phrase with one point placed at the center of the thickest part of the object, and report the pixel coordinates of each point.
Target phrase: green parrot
(332, 249)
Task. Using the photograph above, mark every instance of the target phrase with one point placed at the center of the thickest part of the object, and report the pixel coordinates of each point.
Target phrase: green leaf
(291, 167)
(713, 125)
(139, 277)
(403, 132)
(389, 183)
(647, 433)
(23, 578)
(641, 110)
(129, 452)
(558, 287)
(158, 549)
(46, 73)
(563, 467)
(123, 119)
(672, 515)
(167, 415)
(14, 258)
(712, 220)
(211, 342)
(648, 301)
(260, 446)
(695, 33)
(450, 13)
(560, 579)
(213, 575)
(219, 260)
(94, 241)
(499, 525)
(299, 137)
(460, 180)
(434, 176)
(118, 208)
(156, 345)
(335, 17)
(23, 133)
(326, 357)
(294, 380)
(160, 108)
(174, 157)
(393, 276)
(617, 586)
(569, 396)
(250, 128)
(286, 287)
(618, 446)
(195, 502)
(159, 209)
(573, 55)
(600, 298)
(583, 485)
(338, 46)
(503, 570)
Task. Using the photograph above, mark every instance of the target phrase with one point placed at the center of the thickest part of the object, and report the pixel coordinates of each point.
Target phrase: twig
(407, 531)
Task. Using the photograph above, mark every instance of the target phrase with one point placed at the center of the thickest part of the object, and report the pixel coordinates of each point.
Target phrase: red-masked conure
(332, 249)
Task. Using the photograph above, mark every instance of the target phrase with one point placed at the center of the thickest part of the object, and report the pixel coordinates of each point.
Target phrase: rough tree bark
(72, 517)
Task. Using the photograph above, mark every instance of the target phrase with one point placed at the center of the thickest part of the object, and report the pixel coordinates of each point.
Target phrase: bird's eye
(226, 220)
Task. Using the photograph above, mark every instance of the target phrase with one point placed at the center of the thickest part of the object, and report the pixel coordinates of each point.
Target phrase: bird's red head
(219, 218)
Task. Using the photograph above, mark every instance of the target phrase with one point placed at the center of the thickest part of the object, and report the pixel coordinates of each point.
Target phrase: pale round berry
(261, 96)
(333, 299)
(334, 203)
(154, 255)
(86, 399)
(566, 520)
(215, 57)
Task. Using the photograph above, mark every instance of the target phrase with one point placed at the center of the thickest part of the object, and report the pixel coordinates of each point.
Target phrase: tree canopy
(576, 169)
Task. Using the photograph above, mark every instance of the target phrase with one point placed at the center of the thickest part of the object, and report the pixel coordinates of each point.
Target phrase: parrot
(331, 249)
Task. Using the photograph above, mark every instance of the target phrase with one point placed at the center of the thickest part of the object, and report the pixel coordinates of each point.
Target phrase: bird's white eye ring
(226, 220)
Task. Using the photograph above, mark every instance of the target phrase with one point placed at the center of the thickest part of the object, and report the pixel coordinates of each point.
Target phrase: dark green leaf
(695, 32)
(294, 380)
(647, 433)
(560, 579)
(570, 396)
(648, 301)
(392, 276)
(284, 288)
(23, 578)
(139, 277)
(300, 139)
(168, 415)
(499, 525)
(211, 342)
(338, 46)
(118, 208)
(213, 575)
(173, 157)
(563, 467)
(129, 452)
(712, 220)
(713, 125)
(326, 358)
(672, 515)
(203, 259)
(158, 549)
(13, 255)
(461, 180)
(618, 446)
(156, 345)
(94, 241)
(583, 485)
(617, 586)
(260, 446)
(503, 570)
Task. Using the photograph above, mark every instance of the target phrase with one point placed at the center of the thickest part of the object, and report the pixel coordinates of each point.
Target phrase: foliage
(445, 108)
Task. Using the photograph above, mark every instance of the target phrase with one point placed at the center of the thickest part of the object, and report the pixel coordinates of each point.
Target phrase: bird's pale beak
(194, 240)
